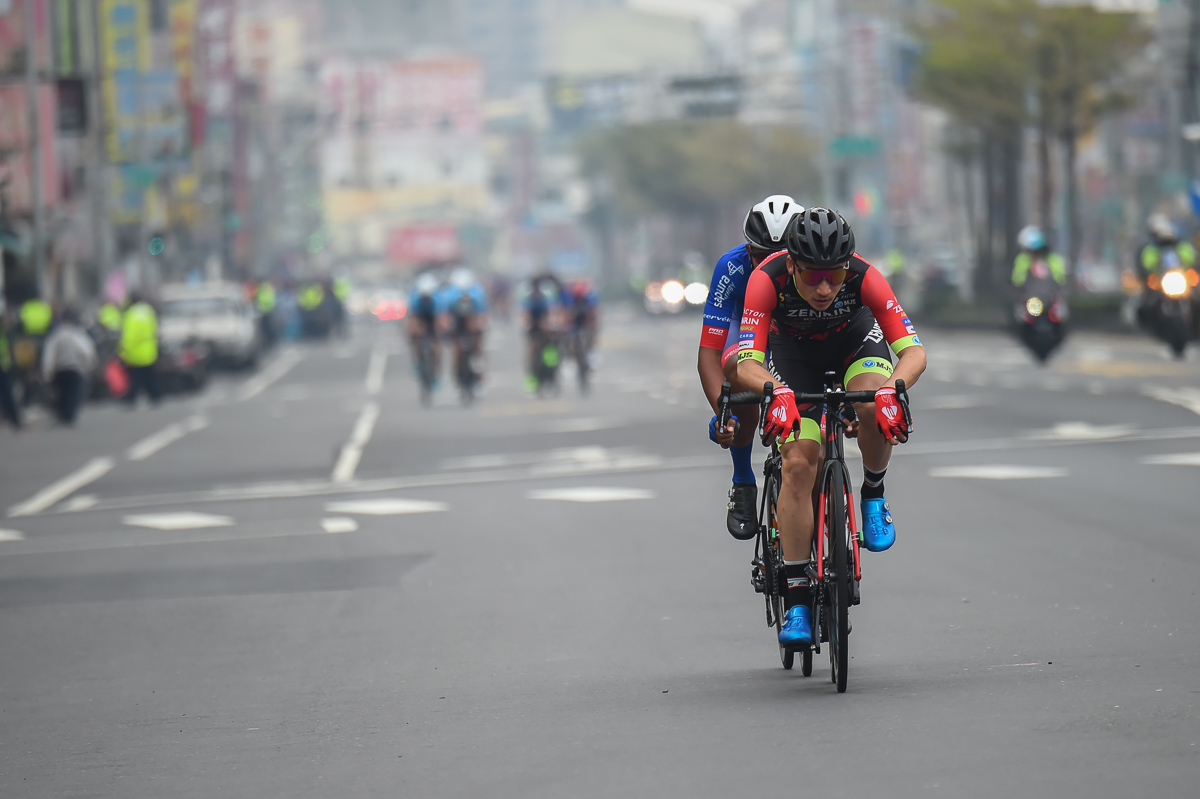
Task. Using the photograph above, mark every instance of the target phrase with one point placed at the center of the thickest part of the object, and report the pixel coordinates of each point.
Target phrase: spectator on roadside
(139, 350)
(68, 357)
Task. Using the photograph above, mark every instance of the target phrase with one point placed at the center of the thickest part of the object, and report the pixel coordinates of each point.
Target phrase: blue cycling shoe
(797, 628)
(878, 531)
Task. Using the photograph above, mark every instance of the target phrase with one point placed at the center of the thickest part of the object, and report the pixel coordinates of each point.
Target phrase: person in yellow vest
(1036, 259)
(34, 316)
(109, 317)
(139, 349)
(264, 299)
(313, 317)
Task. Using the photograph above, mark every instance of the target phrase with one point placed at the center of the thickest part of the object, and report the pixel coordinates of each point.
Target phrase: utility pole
(35, 143)
(97, 174)
(1190, 82)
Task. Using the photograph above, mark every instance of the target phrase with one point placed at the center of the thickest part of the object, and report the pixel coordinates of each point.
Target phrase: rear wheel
(806, 663)
(839, 580)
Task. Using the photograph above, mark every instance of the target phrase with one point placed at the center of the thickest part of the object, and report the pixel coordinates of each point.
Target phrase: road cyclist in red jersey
(819, 307)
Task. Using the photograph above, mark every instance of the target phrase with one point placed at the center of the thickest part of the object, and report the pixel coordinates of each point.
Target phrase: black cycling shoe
(742, 519)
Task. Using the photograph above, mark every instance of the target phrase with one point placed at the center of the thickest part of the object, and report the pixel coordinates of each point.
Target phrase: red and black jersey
(774, 305)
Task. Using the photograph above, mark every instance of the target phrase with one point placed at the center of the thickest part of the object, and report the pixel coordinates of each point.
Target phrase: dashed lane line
(347, 462)
(999, 472)
(1183, 397)
(268, 376)
(165, 437)
(623, 465)
(60, 490)
(375, 370)
(11, 535)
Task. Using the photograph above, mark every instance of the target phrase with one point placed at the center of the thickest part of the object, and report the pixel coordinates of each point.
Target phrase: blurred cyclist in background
(764, 229)
(582, 318)
(424, 309)
(465, 302)
(542, 309)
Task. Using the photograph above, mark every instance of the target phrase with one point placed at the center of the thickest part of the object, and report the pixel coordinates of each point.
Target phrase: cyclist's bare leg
(875, 450)
(801, 464)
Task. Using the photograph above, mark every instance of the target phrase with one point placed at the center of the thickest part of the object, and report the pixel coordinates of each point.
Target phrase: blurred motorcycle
(1167, 309)
(1041, 316)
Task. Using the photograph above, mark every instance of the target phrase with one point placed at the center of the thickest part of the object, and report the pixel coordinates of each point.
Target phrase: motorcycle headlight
(1174, 283)
(1034, 306)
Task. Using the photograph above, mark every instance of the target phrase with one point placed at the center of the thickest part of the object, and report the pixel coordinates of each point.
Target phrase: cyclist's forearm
(909, 367)
(708, 364)
(753, 375)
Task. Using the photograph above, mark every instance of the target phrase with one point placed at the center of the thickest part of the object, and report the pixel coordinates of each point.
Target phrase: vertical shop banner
(216, 69)
(14, 140)
(125, 54)
(182, 23)
(12, 37)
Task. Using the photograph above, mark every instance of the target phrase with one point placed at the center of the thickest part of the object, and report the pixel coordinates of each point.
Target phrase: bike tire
(839, 580)
(772, 568)
(806, 663)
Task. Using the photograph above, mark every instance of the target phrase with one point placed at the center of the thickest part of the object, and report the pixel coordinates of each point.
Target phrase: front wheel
(839, 580)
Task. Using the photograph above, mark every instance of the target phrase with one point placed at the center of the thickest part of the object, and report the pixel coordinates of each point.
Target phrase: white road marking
(351, 454)
(591, 494)
(584, 425)
(1082, 431)
(184, 520)
(998, 472)
(165, 437)
(375, 370)
(629, 465)
(273, 372)
(1184, 397)
(385, 507)
(79, 503)
(1176, 459)
(56, 492)
(339, 524)
(11, 535)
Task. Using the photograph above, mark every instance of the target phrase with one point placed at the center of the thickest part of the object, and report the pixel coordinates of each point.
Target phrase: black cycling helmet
(820, 237)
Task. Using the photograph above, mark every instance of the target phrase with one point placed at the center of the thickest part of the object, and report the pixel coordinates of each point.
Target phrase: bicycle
(836, 568)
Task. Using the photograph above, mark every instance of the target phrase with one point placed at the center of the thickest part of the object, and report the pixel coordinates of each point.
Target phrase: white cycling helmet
(1031, 238)
(462, 278)
(1161, 227)
(426, 285)
(768, 221)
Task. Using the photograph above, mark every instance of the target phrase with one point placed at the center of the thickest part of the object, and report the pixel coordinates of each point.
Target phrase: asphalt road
(302, 584)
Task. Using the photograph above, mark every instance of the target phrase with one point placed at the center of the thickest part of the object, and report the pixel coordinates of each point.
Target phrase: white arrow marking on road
(375, 370)
(1178, 459)
(165, 437)
(592, 494)
(11, 535)
(347, 462)
(999, 472)
(385, 507)
(260, 382)
(339, 524)
(185, 520)
(64, 488)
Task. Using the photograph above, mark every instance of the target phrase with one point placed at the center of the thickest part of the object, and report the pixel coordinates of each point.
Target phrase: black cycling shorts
(801, 363)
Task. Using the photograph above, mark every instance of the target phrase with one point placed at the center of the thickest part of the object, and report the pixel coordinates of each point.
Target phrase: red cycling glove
(782, 415)
(889, 417)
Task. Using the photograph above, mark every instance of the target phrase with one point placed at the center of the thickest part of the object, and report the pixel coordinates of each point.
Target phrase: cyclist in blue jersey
(764, 230)
(424, 312)
(465, 303)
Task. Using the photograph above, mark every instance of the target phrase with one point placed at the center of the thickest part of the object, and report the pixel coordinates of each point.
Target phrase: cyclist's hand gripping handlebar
(718, 431)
